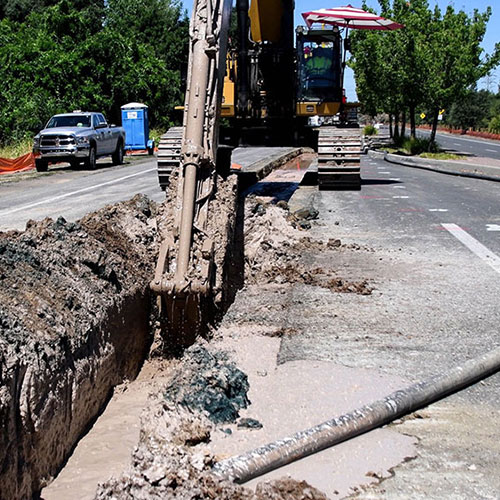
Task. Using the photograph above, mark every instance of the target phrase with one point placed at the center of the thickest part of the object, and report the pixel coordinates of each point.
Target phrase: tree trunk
(396, 126)
(390, 126)
(403, 124)
(434, 127)
(413, 127)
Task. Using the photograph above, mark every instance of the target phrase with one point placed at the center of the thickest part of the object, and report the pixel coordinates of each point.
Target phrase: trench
(77, 326)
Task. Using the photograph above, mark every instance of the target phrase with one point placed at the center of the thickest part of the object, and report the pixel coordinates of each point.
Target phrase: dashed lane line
(475, 246)
(78, 191)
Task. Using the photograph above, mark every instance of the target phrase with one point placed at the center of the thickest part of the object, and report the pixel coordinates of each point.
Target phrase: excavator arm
(184, 271)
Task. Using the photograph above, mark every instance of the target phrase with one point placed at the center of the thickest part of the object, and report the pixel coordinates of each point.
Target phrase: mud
(209, 383)
(74, 322)
(219, 227)
(170, 461)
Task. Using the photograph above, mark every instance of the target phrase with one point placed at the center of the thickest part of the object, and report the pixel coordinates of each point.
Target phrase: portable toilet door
(136, 125)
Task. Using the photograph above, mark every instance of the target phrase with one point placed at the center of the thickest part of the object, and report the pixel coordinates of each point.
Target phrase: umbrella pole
(344, 57)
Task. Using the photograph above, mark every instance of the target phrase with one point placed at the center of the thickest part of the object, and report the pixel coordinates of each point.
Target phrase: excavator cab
(319, 72)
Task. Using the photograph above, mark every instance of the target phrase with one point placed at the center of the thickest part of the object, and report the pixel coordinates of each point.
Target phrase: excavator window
(319, 67)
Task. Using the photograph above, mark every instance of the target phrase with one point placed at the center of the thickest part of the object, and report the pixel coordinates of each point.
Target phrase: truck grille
(56, 141)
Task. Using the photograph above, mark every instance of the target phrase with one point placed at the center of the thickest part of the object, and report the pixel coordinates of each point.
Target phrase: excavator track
(339, 157)
(169, 154)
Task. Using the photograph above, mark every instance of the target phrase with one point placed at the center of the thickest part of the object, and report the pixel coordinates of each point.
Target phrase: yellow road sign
(422, 115)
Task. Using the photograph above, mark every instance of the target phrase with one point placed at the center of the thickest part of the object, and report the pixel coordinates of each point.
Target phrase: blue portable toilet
(136, 124)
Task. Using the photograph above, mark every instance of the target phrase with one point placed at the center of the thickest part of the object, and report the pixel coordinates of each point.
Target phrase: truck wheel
(90, 162)
(117, 156)
(41, 165)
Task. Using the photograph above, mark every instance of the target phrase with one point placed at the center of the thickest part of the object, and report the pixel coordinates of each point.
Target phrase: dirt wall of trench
(74, 322)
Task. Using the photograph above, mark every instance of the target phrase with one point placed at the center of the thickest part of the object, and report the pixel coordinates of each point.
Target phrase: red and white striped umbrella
(350, 17)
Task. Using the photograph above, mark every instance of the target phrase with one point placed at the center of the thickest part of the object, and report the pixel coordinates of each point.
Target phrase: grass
(441, 156)
(17, 149)
(419, 147)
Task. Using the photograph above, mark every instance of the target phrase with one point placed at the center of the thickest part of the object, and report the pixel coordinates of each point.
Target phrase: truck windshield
(69, 121)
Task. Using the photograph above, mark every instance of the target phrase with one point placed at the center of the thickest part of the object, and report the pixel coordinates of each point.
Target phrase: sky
(492, 34)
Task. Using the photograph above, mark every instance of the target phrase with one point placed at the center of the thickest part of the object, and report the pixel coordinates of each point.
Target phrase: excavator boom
(184, 271)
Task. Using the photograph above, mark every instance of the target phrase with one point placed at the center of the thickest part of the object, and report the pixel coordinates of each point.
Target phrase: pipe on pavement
(242, 468)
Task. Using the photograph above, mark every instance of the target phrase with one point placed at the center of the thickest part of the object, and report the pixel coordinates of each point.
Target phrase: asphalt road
(72, 193)
(429, 246)
(464, 144)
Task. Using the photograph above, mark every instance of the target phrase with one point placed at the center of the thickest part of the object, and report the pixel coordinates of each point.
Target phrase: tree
(429, 63)
(77, 54)
(456, 64)
(474, 110)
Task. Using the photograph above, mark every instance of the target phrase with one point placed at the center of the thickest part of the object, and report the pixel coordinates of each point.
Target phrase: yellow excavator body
(264, 20)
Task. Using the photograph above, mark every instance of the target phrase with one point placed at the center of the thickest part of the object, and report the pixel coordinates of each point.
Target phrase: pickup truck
(78, 137)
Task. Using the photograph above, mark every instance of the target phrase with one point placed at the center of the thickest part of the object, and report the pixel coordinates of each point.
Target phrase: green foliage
(84, 54)
(494, 125)
(155, 134)
(473, 111)
(370, 130)
(431, 63)
(416, 145)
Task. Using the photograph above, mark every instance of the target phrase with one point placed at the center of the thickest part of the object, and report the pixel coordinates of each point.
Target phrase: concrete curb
(450, 167)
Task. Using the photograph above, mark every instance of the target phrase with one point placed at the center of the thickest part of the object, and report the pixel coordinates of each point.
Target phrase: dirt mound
(208, 382)
(74, 321)
(276, 251)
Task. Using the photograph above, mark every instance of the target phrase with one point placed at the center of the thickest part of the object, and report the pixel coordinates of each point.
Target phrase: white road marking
(492, 227)
(457, 143)
(438, 210)
(472, 244)
(385, 173)
(66, 195)
(402, 197)
(399, 187)
(492, 150)
(395, 179)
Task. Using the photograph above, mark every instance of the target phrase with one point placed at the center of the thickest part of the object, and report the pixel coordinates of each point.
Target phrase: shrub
(370, 130)
(416, 145)
(494, 125)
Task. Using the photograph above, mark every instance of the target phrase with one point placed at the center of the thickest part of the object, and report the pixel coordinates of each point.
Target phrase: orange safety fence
(132, 152)
(20, 164)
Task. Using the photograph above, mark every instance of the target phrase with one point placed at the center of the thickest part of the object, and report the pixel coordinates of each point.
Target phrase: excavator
(263, 88)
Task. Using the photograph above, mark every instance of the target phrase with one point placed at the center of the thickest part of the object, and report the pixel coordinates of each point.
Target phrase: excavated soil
(172, 459)
(77, 319)
(277, 249)
(74, 322)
